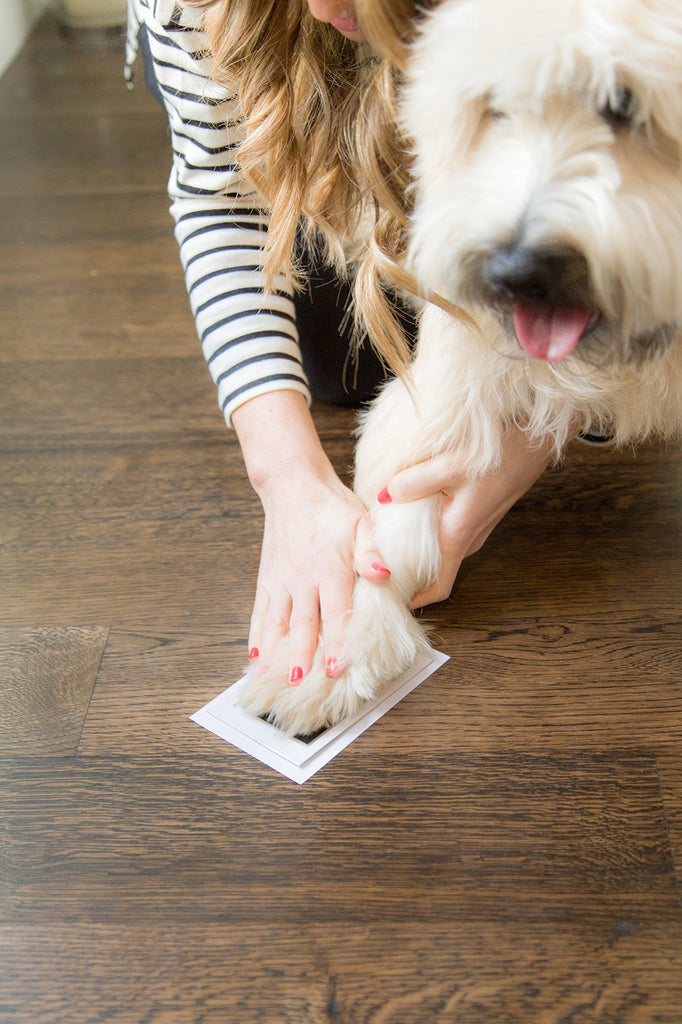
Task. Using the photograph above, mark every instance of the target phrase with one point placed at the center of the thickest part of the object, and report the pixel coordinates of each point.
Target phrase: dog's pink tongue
(549, 334)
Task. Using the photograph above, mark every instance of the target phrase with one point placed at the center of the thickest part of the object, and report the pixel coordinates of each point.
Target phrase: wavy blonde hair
(321, 140)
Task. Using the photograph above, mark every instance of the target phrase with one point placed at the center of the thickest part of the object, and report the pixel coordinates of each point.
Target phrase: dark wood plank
(66, 97)
(209, 975)
(99, 398)
(90, 305)
(150, 683)
(87, 220)
(382, 838)
(513, 695)
(43, 340)
(599, 535)
(135, 533)
(433, 905)
(461, 973)
(470, 973)
(121, 154)
(84, 282)
(46, 684)
(65, 73)
(669, 762)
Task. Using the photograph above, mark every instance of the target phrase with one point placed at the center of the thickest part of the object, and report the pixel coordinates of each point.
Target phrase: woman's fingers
(275, 627)
(477, 505)
(260, 608)
(304, 629)
(439, 475)
(336, 592)
(367, 558)
(424, 478)
(284, 615)
(336, 601)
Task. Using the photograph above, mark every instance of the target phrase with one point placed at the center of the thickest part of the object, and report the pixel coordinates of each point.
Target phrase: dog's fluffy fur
(548, 205)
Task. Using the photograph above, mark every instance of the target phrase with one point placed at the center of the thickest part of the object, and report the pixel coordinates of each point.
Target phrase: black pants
(335, 373)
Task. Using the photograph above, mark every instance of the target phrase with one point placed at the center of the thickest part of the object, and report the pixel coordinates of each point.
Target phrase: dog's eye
(492, 107)
(621, 108)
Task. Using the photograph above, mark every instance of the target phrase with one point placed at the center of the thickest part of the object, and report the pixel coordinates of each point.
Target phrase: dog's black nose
(514, 271)
(546, 275)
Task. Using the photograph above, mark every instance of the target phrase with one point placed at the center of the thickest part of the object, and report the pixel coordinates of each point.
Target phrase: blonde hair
(321, 140)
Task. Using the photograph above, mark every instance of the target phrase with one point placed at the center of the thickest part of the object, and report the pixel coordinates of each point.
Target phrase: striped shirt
(248, 336)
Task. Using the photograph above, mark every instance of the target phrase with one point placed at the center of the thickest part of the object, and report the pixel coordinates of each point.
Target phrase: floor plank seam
(92, 693)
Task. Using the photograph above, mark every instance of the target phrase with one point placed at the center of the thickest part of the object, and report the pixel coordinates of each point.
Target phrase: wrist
(279, 442)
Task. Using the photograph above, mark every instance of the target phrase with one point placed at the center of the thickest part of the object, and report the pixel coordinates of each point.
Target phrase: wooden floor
(499, 849)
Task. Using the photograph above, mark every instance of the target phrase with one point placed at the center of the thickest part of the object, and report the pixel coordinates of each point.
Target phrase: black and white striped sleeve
(248, 335)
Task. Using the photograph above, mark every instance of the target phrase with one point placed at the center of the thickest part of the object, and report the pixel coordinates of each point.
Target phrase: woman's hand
(471, 508)
(317, 535)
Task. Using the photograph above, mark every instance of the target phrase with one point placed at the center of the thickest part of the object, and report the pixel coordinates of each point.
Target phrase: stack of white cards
(296, 758)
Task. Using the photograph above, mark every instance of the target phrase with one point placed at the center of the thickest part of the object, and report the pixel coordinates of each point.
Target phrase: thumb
(419, 481)
(367, 558)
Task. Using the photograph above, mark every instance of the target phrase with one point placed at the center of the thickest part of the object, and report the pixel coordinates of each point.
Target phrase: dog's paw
(383, 639)
(316, 703)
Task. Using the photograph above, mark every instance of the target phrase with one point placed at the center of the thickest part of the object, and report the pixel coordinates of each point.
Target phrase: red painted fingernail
(296, 675)
(384, 498)
(380, 567)
(253, 654)
(332, 666)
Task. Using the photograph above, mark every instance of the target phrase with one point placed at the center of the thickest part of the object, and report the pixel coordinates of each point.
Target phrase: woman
(296, 87)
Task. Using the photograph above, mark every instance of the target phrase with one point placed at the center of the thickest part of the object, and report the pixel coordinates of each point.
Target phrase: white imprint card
(295, 758)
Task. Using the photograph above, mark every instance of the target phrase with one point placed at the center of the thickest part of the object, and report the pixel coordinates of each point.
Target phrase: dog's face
(548, 164)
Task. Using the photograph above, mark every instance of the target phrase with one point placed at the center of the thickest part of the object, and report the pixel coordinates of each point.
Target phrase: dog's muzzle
(546, 291)
(547, 276)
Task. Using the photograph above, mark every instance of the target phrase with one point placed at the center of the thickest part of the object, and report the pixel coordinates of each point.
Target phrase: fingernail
(380, 567)
(384, 498)
(253, 654)
(296, 675)
(332, 667)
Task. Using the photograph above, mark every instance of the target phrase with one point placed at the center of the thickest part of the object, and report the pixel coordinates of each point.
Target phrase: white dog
(548, 165)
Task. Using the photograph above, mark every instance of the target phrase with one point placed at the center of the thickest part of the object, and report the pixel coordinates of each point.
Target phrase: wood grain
(90, 282)
(461, 973)
(380, 838)
(669, 762)
(117, 151)
(457, 890)
(46, 684)
(62, 74)
(104, 533)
